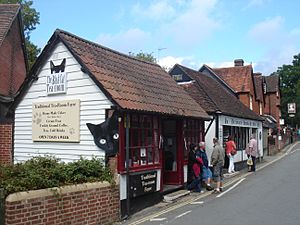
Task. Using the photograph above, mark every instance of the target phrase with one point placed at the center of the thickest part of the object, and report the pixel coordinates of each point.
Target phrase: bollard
(2, 207)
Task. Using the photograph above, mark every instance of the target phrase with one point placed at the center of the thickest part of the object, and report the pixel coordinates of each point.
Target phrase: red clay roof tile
(133, 84)
(238, 77)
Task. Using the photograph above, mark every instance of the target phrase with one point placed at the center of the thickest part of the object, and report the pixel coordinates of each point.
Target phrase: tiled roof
(238, 77)
(7, 14)
(213, 97)
(131, 83)
(272, 82)
(258, 85)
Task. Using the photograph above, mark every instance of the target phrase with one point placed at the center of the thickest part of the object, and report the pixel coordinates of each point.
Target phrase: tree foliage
(290, 89)
(144, 56)
(31, 18)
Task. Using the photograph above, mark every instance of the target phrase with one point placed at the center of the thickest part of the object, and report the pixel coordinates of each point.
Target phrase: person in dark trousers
(206, 173)
(195, 164)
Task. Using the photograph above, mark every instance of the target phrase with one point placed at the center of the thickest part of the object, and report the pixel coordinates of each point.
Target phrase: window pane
(156, 156)
(150, 155)
(134, 139)
(134, 121)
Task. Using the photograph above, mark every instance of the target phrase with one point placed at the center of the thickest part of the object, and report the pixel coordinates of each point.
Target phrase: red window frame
(192, 133)
(144, 151)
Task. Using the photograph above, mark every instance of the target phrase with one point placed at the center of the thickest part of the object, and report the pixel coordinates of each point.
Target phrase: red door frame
(176, 177)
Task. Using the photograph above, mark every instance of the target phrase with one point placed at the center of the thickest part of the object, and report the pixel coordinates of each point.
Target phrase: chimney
(238, 62)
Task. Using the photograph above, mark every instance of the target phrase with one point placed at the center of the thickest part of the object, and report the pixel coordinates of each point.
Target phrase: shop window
(143, 141)
(192, 134)
(239, 134)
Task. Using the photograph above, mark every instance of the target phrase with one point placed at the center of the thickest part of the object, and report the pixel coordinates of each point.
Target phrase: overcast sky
(265, 33)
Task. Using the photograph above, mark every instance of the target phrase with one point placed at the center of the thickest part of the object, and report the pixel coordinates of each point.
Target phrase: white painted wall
(92, 110)
(209, 138)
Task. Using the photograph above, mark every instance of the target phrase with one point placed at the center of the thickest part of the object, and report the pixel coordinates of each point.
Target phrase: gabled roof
(10, 15)
(214, 97)
(238, 77)
(131, 84)
(8, 12)
(272, 83)
(258, 85)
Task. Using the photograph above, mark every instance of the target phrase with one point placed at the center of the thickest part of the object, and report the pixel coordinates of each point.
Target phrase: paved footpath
(164, 207)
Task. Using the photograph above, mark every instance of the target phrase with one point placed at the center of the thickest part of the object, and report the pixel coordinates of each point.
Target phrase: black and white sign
(292, 108)
(56, 83)
(142, 183)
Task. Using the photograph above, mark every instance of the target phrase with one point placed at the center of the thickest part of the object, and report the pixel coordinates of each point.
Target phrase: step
(175, 195)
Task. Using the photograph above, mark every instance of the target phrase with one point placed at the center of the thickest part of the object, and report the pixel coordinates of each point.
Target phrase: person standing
(230, 152)
(251, 151)
(217, 161)
(195, 164)
(206, 173)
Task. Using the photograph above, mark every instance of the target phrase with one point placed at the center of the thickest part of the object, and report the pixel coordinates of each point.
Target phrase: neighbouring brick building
(272, 97)
(230, 116)
(241, 79)
(13, 68)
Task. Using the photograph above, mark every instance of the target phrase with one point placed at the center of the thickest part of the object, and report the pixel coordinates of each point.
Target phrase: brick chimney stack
(238, 62)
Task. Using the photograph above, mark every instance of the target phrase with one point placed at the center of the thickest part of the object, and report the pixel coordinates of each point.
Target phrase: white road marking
(197, 203)
(207, 193)
(157, 219)
(183, 214)
(229, 189)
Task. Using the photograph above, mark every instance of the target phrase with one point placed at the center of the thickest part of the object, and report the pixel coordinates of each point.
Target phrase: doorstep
(175, 195)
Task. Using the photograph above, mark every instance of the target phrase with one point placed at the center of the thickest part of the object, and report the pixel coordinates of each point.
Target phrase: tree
(290, 89)
(30, 18)
(144, 56)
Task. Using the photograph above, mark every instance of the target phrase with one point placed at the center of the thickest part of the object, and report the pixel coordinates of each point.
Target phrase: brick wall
(90, 203)
(12, 62)
(6, 141)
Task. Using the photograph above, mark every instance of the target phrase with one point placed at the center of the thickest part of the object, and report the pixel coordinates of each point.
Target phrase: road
(269, 196)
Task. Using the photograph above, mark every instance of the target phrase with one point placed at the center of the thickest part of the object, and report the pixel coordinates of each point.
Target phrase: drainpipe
(127, 164)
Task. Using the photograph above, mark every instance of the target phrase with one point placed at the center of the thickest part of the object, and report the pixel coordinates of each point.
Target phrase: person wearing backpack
(230, 152)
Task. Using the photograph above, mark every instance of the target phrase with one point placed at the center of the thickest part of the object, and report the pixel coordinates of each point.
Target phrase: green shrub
(47, 171)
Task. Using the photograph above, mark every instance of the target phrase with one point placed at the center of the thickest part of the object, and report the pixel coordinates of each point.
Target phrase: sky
(264, 33)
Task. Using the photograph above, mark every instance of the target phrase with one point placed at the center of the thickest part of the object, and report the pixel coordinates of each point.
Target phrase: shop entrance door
(170, 153)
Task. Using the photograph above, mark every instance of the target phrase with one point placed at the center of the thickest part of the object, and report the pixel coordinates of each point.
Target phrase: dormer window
(251, 104)
(177, 77)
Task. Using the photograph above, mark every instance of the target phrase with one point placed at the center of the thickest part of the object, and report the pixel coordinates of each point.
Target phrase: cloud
(188, 23)
(279, 43)
(275, 58)
(194, 24)
(169, 61)
(268, 31)
(156, 10)
(131, 40)
(256, 3)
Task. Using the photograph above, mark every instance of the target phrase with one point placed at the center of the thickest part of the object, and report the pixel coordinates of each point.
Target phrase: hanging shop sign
(56, 121)
(291, 108)
(142, 183)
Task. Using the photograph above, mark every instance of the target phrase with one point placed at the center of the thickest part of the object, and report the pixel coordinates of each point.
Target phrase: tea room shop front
(82, 99)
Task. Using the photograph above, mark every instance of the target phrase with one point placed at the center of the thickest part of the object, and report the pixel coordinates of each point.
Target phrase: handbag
(249, 161)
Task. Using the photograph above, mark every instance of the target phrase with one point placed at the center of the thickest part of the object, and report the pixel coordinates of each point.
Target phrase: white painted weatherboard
(92, 110)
